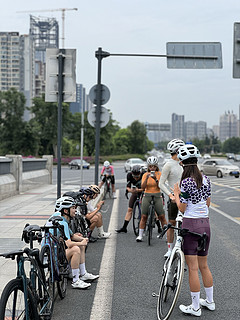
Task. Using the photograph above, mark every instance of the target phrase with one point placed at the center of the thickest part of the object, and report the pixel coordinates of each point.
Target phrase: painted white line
(226, 215)
(102, 303)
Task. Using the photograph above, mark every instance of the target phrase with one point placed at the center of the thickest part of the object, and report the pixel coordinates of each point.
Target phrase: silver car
(133, 162)
(219, 168)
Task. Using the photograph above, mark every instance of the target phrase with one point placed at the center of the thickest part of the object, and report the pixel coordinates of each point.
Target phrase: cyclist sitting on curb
(134, 179)
(76, 244)
(150, 181)
(193, 198)
(108, 171)
(94, 215)
(171, 173)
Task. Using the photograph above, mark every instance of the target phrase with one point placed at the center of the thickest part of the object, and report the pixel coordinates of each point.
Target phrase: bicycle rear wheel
(136, 217)
(45, 258)
(63, 271)
(12, 303)
(170, 286)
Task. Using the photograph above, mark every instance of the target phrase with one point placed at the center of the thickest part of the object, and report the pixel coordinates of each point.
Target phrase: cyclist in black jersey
(134, 180)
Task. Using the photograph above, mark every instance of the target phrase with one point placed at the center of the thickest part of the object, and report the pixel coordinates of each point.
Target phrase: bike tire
(12, 303)
(170, 286)
(136, 217)
(45, 258)
(150, 224)
(63, 273)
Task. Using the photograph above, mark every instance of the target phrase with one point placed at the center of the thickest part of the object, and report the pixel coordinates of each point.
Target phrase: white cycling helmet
(188, 151)
(174, 145)
(152, 161)
(106, 164)
(64, 203)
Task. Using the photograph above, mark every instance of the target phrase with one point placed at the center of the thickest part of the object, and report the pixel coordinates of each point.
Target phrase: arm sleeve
(103, 168)
(112, 170)
(128, 180)
(163, 179)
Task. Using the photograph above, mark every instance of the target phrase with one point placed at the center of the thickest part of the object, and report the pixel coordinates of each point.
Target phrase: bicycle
(53, 258)
(107, 187)
(137, 214)
(173, 269)
(26, 297)
(150, 220)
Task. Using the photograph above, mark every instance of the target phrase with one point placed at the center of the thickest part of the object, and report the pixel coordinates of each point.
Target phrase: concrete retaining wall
(18, 174)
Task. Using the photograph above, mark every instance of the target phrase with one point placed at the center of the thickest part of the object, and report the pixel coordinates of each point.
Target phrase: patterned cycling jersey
(195, 198)
(107, 170)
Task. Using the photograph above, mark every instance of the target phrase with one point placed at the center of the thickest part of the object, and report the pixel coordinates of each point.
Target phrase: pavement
(34, 207)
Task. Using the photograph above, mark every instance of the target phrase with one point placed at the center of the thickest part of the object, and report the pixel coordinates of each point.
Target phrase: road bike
(137, 214)
(53, 257)
(173, 270)
(150, 221)
(26, 297)
(107, 187)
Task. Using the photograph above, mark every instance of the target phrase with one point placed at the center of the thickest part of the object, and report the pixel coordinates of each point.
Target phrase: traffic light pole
(99, 55)
(59, 135)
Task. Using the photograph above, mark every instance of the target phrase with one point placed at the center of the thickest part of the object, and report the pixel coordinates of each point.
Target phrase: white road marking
(226, 215)
(102, 303)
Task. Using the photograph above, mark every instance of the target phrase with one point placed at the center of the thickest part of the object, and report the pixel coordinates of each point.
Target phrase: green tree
(121, 141)
(138, 137)
(232, 145)
(13, 130)
(45, 122)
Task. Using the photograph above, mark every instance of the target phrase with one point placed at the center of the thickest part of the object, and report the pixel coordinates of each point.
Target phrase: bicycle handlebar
(202, 242)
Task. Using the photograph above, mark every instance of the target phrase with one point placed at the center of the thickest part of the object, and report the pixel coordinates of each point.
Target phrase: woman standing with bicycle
(193, 198)
(134, 179)
(150, 186)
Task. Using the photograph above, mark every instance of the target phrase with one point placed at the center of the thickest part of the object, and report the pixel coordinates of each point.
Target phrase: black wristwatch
(157, 180)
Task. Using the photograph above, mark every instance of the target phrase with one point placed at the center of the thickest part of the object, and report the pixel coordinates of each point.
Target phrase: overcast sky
(143, 88)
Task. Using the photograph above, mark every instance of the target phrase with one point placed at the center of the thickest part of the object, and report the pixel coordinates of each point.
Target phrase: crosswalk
(227, 182)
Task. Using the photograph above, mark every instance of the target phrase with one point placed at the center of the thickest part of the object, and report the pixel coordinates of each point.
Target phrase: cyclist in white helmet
(107, 170)
(171, 174)
(193, 198)
(76, 244)
(150, 186)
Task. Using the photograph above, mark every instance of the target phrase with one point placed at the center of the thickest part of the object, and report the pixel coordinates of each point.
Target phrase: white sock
(141, 232)
(195, 300)
(75, 273)
(170, 246)
(209, 294)
(100, 230)
(82, 268)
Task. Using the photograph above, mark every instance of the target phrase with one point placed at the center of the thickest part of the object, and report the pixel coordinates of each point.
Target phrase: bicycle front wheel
(13, 305)
(63, 271)
(150, 224)
(170, 286)
(45, 257)
(136, 217)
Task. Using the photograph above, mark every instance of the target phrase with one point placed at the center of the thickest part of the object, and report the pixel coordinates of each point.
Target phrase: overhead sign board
(158, 127)
(194, 55)
(104, 119)
(69, 75)
(105, 94)
(236, 51)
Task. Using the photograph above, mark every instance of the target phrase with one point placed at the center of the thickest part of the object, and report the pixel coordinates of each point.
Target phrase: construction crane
(52, 10)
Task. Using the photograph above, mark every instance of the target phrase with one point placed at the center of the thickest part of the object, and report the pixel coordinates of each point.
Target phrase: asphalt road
(131, 271)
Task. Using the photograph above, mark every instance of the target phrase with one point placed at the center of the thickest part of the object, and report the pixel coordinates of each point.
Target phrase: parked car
(219, 168)
(132, 162)
(237, 157)
(230, 155)
(76, 164)
(206, 156)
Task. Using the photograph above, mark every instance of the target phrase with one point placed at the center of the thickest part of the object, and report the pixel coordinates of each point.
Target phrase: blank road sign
(194, 55)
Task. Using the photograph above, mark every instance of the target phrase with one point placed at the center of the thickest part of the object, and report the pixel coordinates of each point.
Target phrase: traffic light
(236, 50)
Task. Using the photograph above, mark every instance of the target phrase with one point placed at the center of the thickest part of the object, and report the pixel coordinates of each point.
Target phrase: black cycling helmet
(86, 191)
(136, 170)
